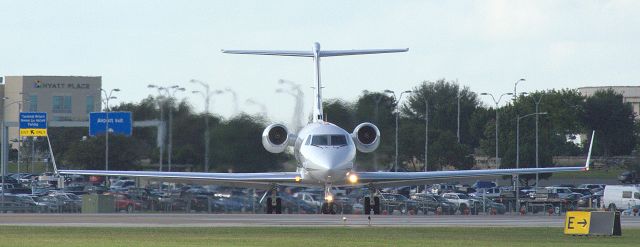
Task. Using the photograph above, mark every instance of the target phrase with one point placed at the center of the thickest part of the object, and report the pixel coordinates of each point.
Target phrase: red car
(125, 202)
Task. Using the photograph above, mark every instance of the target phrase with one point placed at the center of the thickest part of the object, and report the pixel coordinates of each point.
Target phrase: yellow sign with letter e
(577, 223)
(33, 132)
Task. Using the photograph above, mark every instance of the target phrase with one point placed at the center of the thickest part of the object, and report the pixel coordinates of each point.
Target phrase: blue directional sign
(33, 124)
(119, 123)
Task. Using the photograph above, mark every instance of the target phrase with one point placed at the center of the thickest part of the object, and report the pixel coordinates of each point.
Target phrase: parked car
(560, 191)
(592, 187)
(122, 185)
(125, 202)
(462, 201)
(442, 188)
(393, 202)
(621, 197)
(488, 206)
(630, 177)
(488, 192)
(484, 185)
(431, 202)
(311, 198)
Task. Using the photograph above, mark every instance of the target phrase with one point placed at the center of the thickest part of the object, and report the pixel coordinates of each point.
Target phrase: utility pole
(107, 97)
(397, 116)
(497, 119)
(377, 108)
(517, 179)
(426, 135)
(537, 117)
(207, 99)
(515, 92)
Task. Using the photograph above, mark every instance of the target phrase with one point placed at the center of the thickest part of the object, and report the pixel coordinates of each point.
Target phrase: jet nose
(330, 162)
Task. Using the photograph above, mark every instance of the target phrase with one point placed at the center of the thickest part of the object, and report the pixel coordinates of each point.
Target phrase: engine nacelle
(275, 138)
(366, 136)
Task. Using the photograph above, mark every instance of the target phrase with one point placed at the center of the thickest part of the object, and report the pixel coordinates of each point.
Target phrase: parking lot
(29, 193)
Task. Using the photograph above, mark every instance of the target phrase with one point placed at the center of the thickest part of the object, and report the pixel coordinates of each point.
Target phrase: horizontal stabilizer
(359, 52)
(271, 53)
(334, 53)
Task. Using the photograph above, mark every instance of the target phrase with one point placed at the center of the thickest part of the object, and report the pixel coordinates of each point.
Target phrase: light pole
(537, 117)
(426, 135)
(515, 92)
(378, 98)
(397, 115)
(160, 103)
(19, 140)
(3, 160)
(458, 129)
(497, 119)
(263, 108)
(207, 99)
(107, 97)
(171, 93)
(517, 179)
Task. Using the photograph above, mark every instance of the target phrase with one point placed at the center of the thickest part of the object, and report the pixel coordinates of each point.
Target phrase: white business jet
(325, 153)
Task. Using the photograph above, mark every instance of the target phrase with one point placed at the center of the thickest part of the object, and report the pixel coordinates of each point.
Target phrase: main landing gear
(328, 208)
(369, 206)
(274, 207)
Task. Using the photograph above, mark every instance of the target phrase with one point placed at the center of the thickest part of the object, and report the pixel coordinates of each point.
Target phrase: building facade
(64, 98)
(630, 94)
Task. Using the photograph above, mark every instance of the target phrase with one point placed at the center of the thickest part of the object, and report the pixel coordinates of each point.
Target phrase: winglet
(586, 166)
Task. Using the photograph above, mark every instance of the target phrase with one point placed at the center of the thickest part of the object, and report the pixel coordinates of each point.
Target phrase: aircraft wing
(416, 178)
(250, 180)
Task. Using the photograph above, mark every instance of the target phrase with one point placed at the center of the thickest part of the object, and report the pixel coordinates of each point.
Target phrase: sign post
(119, 123)
(592, 223)
(33, 124)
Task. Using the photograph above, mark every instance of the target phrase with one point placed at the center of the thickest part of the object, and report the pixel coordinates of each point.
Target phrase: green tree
(442, 98)
(125, 153)
(613, 120)
(236, 145)
(377, 108)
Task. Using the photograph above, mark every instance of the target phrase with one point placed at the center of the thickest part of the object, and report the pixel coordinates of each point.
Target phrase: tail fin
(586, 165)
(316, 54)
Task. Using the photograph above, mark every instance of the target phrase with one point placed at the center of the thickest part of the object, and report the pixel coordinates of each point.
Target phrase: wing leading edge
(416, 178)
(253, 180)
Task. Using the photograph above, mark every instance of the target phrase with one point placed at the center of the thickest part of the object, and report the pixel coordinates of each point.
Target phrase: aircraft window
(322, 140)
(338, 140)
(308, 140)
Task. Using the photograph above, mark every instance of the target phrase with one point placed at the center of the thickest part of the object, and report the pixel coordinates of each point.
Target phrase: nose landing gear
(328, 206)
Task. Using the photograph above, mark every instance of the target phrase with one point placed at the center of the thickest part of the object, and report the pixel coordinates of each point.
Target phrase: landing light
(298, 178)
(329, 198)
(353, 178)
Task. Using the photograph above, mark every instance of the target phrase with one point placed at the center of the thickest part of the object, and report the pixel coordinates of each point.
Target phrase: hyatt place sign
(60, 85)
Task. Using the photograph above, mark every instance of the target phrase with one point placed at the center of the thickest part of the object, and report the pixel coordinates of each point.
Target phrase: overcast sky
(486, 45)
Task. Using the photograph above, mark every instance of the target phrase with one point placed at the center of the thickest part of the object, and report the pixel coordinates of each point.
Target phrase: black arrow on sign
(33, 132)
(583, 222)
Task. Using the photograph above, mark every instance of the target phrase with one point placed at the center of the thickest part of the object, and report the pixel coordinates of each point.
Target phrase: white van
(621, 197)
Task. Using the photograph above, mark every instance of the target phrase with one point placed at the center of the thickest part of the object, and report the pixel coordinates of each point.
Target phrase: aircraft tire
(269, 205)
(367, 205)
(376, 205)
(278, 205)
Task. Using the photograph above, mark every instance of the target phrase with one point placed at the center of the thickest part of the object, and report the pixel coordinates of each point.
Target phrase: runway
(248, 220)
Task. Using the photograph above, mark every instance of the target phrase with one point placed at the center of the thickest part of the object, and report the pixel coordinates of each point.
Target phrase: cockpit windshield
(329, 140)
